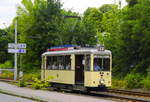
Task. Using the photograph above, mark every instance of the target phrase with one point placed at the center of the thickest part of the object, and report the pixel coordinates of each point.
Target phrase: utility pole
(115, 2)
(120, 4)
(15, 55)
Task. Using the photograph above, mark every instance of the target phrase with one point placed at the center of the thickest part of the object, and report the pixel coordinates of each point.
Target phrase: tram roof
(78, 51)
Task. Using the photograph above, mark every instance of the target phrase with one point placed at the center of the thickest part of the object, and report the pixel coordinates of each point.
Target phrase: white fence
(2, 69)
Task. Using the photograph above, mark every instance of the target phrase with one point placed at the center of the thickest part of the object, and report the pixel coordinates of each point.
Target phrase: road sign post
(15, 55)
(16, 48)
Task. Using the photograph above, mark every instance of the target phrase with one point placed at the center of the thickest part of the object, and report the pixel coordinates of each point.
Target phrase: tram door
(79, 69)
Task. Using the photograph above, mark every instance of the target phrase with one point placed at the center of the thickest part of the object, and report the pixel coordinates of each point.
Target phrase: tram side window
(106, 64)
(64, 62)
(67, 62)
(49, 62)
(53, 62)
(87, 62)
(60, 62)
(101, 63)
(97, 64)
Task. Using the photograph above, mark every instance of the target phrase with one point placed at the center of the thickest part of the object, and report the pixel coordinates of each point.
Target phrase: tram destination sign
(20, 45)
(16, 50)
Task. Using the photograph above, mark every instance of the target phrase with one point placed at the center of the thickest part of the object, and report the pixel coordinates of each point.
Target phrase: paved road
(8, 98)
(50, 96)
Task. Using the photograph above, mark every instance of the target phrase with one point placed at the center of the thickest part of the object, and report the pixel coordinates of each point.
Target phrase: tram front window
(101, 63)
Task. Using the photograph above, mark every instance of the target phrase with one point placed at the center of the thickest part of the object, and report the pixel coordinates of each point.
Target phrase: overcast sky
(8, 7)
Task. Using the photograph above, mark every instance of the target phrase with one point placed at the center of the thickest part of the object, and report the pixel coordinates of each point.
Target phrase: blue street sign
(16, 50)
(19, 45)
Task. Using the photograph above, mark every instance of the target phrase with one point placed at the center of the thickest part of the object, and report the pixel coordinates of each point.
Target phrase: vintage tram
(77, 68)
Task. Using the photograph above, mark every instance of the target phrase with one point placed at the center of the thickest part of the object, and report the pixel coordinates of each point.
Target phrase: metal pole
(20, 62)
(15, 55)
(115, 2)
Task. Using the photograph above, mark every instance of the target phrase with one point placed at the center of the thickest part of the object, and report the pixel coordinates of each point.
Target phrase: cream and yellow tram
(82, 68)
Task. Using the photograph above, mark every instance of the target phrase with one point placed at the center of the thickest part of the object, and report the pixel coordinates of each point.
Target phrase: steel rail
(122, 97)
(121, 94)
(130, 92)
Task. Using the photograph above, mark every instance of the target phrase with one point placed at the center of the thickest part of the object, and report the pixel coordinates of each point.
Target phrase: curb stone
(35, 98)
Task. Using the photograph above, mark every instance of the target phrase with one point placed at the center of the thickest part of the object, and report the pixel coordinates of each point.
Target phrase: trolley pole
(15, 55)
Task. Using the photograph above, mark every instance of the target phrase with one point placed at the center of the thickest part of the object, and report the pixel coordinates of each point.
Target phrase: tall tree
(38, 27)
(43, 24)
(135, 35)
(5, 38)
(92, 22)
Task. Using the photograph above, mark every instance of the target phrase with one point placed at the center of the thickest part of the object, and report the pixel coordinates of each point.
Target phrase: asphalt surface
(49, 96)
(8, 98)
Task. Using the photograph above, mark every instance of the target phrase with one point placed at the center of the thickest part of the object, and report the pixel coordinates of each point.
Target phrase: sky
(8, 8)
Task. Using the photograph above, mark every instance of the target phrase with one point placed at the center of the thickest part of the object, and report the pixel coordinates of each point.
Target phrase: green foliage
(133, 80)
(132, 2)
(38, 22)
(43, 24)
(125, 32)
(146, 82)
(110, 26)
(29, 77)
(33, 80)
(5, 38)
(132, 53)
(118, 83)
(7, 64)
(38, 84)
(92, 24)
(22, 83)
(7, 75)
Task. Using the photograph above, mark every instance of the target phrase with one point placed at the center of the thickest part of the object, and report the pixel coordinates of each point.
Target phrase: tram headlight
(102, 81)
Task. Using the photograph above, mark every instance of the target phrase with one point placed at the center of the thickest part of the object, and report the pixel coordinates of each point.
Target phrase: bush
(30, 76)
(38, 84)
(7, 74)
(7, 64)
(146, 82)
(33, 79)
(117, 83)
(22, 83)
(27, 78)
(133, 80)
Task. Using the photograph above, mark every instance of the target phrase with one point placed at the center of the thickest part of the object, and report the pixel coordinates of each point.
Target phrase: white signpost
(20, 45)
(16, 50)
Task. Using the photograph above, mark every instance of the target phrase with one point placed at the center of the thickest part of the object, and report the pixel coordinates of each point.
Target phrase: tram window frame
(59, 62)
(87, 63)
(103, 67)
(53, 62)
(48, 61)
(67, 62)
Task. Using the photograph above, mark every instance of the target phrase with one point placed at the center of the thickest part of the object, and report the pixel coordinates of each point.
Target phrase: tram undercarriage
(59, 86)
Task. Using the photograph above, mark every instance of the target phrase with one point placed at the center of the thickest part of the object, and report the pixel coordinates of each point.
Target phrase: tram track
(114, 94)
(132, 96)
(130, 92)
